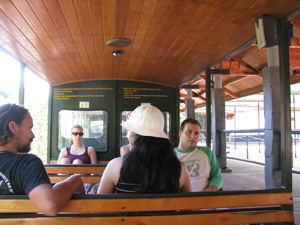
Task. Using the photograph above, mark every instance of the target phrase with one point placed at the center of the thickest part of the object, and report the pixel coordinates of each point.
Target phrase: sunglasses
(76, 133)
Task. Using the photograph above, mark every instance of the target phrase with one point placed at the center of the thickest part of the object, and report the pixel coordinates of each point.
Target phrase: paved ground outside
(250, 176)
(255, 151)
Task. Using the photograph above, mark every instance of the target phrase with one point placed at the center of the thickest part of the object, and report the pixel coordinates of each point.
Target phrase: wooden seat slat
(100, 162)
(236, 207)
(75, 169)
(188, 219)
(88, 173)
(85, 178)
(135, 204)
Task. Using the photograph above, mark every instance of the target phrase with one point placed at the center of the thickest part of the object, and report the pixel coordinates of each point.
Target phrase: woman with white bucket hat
(151, 166)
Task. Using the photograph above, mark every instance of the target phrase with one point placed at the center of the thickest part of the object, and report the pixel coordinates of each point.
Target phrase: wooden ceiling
(173, 41)
(238, 84)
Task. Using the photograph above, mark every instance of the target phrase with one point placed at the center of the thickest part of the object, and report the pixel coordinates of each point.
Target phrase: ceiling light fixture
(118, 42)
(117, 53)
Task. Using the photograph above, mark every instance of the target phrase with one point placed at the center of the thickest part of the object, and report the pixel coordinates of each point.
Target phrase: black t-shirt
(20, 173)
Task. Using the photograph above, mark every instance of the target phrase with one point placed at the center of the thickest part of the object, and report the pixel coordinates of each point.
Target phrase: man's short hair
(191, 121)
(10, 112)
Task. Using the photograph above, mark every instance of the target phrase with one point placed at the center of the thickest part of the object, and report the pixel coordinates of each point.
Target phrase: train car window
(94, 125)
(126, 116)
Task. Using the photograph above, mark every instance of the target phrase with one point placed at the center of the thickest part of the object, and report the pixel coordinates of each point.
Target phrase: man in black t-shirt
(25, 173)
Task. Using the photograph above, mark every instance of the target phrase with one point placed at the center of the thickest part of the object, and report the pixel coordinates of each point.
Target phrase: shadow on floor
(250, 176)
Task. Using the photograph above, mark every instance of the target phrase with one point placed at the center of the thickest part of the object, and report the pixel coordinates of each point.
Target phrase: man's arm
(216, 179)
(50, 200)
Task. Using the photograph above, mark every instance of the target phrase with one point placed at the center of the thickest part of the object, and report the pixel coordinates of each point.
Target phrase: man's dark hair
(191, 121)
(10, 112)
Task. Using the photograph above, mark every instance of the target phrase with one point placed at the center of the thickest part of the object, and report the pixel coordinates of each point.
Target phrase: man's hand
(211, 188)
(80, 189)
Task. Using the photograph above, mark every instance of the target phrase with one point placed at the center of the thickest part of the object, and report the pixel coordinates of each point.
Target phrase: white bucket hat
(146, 120)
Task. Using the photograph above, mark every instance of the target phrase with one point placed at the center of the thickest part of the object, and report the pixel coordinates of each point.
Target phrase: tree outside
(36, 101)
(36, 93)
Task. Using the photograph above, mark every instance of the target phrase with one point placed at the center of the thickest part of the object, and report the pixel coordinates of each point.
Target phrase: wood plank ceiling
(173, 41)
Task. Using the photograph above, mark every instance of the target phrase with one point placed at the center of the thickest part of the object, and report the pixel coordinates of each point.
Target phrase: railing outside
(249, 145)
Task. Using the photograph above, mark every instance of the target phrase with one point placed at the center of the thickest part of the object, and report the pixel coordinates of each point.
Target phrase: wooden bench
(100, 162)
(224, 207)
(89, 173)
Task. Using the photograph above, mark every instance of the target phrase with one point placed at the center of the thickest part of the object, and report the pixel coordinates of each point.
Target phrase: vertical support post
(273, 56)
(176, 125)
(21, 87)
(271, 88)
(234, 114)
(49, 137)
(218, 81)
(286, 150)
(247, 145)
(208, 107)
(258, 121)
(189, 105)
(294, 110)
(218, 122)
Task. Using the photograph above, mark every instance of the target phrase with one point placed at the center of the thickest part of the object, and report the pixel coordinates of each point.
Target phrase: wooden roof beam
(234, 95)
(202, 98)
(246, 65)
(194, 96)
(193, 86)
(228, 91)
(233, 80)
(244, 73)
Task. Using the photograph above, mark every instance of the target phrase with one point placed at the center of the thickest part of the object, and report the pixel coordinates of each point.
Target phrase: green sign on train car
(100, 106)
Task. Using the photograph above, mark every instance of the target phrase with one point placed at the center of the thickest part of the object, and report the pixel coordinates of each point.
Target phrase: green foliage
(40, 129)
(39, 113)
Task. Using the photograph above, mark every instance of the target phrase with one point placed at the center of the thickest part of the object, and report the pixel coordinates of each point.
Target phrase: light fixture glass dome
(117, 53)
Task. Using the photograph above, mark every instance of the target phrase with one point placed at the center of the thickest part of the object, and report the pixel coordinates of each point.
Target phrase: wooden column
(286, 139)
(276, 84)
(271, 88)
(189, 105)
(208, 107)
(218, 124)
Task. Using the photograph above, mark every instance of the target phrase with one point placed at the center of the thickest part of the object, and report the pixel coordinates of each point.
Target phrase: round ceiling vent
(118, 42)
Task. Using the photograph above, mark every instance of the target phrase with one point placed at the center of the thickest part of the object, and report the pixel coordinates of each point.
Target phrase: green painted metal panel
(114, 97)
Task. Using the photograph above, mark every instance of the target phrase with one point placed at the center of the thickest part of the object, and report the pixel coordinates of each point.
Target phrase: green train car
(100, 107)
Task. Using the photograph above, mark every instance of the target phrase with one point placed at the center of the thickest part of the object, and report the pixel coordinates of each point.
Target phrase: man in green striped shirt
(201, 162)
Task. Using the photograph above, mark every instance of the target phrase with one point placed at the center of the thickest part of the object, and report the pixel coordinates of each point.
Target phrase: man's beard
(25, 148)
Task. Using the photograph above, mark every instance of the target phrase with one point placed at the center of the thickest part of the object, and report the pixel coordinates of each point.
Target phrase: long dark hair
(152, 164)
(10, 112)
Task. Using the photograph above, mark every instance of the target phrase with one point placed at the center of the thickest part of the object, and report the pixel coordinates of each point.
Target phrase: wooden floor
(250, 176)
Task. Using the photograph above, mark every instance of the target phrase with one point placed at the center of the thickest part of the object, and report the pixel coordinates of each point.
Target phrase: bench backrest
(88, 173)
(147, 203)
(189, 208)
